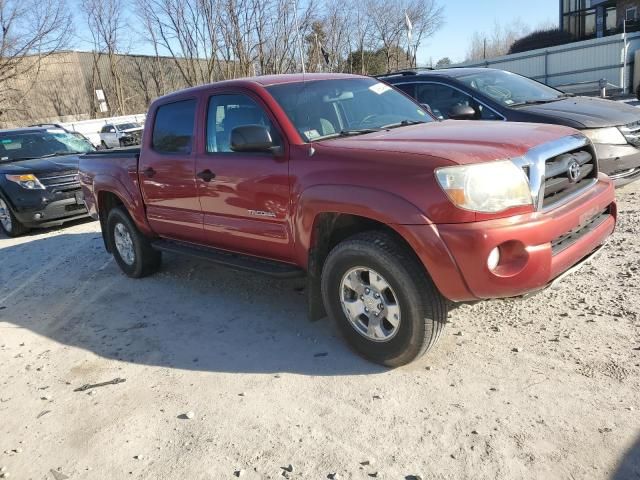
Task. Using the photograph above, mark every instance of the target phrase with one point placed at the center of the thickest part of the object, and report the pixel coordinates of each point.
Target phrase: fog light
(37, 216)
(493, 259)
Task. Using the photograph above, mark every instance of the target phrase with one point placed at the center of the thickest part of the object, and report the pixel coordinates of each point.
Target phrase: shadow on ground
(190, 315)
(629, 466)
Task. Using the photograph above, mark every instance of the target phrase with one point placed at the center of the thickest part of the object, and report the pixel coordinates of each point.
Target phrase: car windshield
(322, 109)
(38, 144)
(127, 126)
(510, 89)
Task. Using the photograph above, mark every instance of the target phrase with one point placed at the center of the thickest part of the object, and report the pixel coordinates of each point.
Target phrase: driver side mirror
(462, 112)
(251, 138)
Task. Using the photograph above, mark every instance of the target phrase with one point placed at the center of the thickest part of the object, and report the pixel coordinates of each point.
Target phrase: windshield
(510, 89)
(330, 108)
(127, 126)
(38, 144)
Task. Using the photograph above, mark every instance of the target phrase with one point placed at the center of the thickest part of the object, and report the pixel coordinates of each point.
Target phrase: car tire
(388, 270)
(9, 224)
(103, 145)
(132, 250)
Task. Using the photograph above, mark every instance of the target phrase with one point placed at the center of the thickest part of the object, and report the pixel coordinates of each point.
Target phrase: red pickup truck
(389, 213)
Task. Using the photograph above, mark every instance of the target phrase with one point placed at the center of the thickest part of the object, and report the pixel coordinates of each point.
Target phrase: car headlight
(485, 187)
(28, 181)
(609, 135)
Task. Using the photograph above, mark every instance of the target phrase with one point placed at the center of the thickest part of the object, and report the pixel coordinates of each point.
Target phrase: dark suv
(490, 94)
(39, 183)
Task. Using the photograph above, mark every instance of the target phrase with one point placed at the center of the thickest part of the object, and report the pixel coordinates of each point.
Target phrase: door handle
(206, 175)
(149, 172)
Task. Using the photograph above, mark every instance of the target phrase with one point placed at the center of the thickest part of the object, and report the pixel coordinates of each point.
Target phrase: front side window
(442, 99)
(322, 109)
(173, 127)
(41, 144)
(510, 89)
(229, 111)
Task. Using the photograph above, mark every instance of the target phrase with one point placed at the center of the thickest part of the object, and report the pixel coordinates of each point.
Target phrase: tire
(9, 224)
(421, 309)
(103, 145)
(135, 256)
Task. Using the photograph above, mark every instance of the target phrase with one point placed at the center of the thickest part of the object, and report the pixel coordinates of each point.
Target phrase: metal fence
(575, 64)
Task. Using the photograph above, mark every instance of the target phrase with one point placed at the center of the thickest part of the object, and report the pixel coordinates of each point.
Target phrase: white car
(115, 135)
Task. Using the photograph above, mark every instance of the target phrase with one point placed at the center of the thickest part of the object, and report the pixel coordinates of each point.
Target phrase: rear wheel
(382, 299)
(131, 249)
(8, 221)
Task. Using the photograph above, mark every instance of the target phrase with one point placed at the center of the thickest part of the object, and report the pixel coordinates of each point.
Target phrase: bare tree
(106, 23)
(496, 42)
(31, 30)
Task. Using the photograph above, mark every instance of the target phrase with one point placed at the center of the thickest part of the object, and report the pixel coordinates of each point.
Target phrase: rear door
(167, 175)
(244, 196)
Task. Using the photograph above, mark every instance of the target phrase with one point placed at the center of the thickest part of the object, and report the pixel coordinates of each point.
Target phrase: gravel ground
(226, 377)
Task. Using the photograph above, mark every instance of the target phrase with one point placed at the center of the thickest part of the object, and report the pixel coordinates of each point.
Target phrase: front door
(244, 196)
(167, 173)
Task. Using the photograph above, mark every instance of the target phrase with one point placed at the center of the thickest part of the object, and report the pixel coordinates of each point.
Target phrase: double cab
(390, 214)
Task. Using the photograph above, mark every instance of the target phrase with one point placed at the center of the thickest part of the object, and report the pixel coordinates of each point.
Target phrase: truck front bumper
(534, 248)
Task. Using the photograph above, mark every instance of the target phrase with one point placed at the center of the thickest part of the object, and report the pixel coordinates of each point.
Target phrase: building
(70, 86)
(586, 19)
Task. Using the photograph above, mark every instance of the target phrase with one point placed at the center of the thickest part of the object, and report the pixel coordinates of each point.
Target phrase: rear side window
(173, 127)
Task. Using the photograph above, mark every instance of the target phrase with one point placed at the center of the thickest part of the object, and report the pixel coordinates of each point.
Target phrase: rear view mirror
(462, 112)
(427, 107)
(251, 138)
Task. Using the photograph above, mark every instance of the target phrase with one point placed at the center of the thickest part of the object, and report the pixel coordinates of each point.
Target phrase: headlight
(609, 135)
(485, 187)
(28, 181)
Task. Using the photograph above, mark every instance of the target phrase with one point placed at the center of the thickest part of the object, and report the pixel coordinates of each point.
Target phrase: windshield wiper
(404, 123)
(58, 154)
(348, 132)
(546, 100)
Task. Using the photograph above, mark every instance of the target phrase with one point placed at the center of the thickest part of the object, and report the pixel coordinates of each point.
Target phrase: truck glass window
(327, 108)
(442, 99)
(227, 112)
(173, 127)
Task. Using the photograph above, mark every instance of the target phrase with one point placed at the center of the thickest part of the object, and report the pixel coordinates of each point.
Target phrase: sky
(461, 19)
(464, 17)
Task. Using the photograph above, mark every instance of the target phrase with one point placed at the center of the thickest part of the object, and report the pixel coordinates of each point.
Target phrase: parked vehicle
(114, 135)
(389, 213)
(490, 94)
(39, 184)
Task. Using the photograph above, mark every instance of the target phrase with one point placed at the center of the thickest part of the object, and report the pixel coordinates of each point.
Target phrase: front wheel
(382, 299)
(131, 249)
(8, 221)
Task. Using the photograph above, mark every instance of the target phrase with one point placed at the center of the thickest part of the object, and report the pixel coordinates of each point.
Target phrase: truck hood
(590, 112)
(41, 165)
(457, 141)
(132, 130)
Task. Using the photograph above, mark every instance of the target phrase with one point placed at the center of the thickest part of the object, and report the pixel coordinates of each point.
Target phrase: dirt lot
(546, 387)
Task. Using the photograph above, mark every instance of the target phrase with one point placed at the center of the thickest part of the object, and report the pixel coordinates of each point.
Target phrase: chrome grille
(631, 132)
(60, 180)
(548, 168)
(567, 173)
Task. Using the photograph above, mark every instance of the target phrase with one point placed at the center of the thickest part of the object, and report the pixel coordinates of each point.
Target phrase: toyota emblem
(573, 172)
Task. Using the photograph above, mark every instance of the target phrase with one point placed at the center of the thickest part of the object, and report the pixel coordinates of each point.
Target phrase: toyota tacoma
(391, 215)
